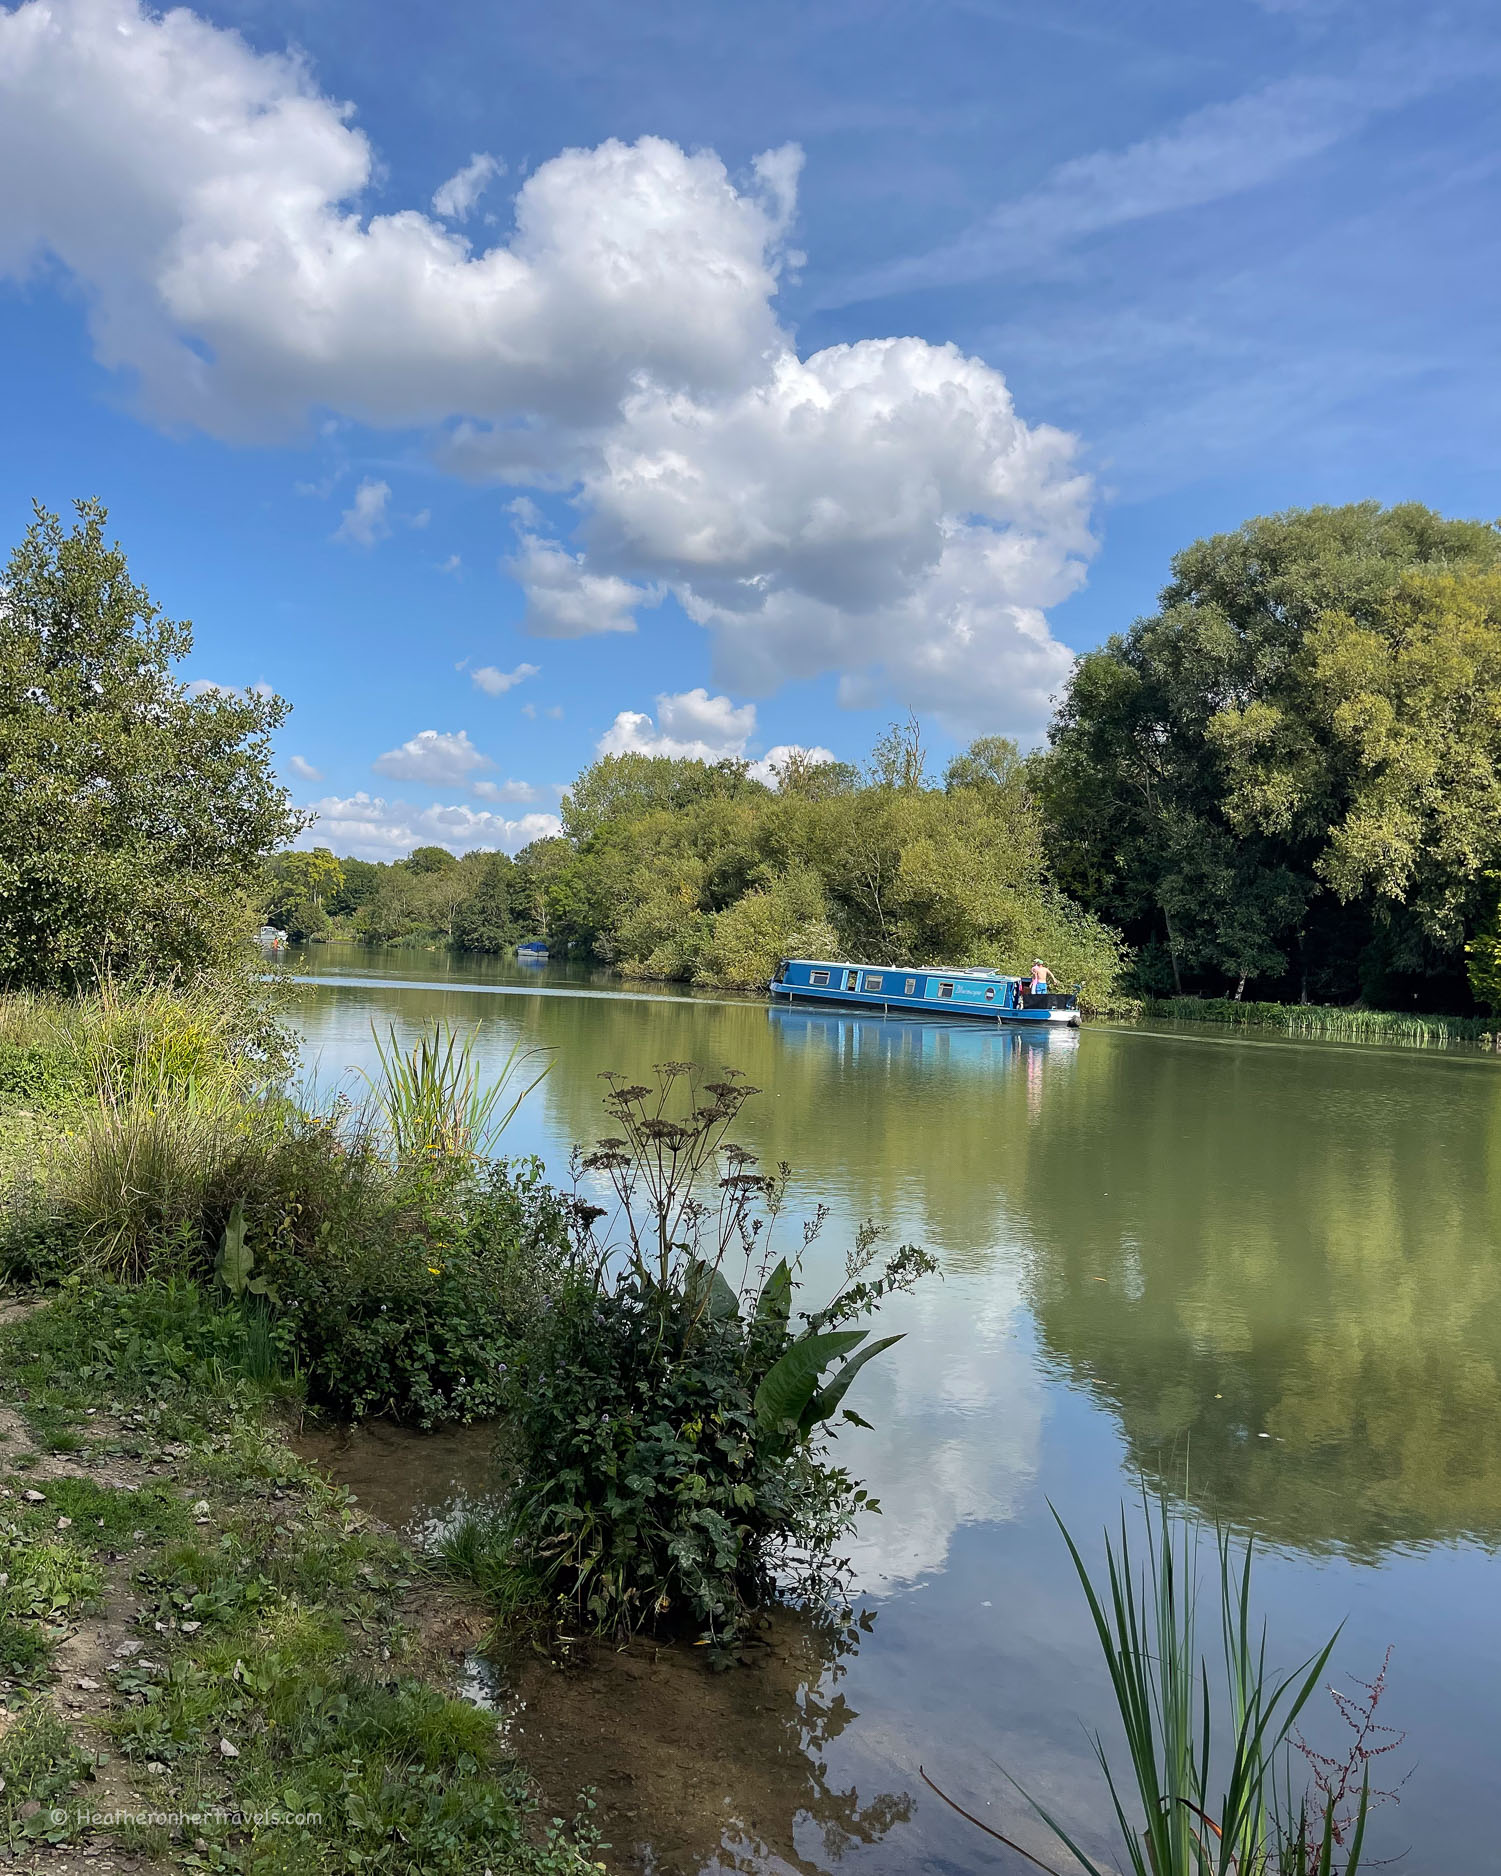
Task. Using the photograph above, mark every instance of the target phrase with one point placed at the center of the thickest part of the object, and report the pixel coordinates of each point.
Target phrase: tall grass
(1331, 1023)
(1212, 1789)
(434, 1098)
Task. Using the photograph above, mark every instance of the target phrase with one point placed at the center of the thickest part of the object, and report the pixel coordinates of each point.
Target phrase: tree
(1201, 764)
(302, 884)
(487, 918)
(899, 760)
(134, 817)
(430, 860)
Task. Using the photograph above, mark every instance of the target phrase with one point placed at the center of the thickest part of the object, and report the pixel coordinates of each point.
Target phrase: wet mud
(693, 1772)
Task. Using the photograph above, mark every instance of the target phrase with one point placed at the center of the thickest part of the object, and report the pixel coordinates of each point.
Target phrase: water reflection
(727, 1772)
(1156, 1250)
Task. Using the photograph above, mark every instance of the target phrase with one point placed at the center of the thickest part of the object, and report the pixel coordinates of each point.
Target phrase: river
(1262, 1272)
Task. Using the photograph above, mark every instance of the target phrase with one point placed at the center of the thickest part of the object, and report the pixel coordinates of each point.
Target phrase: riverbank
(211, 1657)
(1331, 1023)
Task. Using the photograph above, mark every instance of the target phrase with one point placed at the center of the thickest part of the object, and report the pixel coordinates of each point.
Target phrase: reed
(433, 1097)
(1392, 1027)
(1211, 1786)
(1200, 1814)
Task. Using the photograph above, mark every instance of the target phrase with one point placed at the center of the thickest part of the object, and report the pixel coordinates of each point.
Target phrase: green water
(1264, 1272)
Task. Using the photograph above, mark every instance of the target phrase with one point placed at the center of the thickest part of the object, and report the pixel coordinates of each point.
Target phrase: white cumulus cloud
(365, 521)
(877, 510)
(565, 600)
(455, 198)
(504, 791)
(691, 723)
(371, 828)
(440, 757)
(303, 769)
(496, 683)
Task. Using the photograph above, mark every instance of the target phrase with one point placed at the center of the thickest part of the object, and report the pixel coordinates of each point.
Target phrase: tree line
(1282, 783)
(699, 872)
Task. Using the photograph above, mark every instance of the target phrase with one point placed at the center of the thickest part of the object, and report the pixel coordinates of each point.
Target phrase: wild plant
(668, 1414)
(1199, 1811)
(435, 1098)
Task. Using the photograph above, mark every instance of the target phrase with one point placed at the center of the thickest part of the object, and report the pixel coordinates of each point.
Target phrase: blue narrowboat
(983, 993)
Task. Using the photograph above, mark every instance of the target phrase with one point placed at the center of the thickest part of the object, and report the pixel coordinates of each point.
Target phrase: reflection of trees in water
(887, 1118)
(697, 1771)
(1291, 1243)
(811, 1722)
(1225, 1239)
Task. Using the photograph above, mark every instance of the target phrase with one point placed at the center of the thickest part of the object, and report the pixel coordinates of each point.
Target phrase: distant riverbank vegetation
(696, 872)
(1283, 786)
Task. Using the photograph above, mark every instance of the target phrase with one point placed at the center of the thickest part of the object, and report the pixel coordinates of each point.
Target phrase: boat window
(874, 983)
(945, 990)
(818, 977)
(990, 994)
(910, 987)
(852, 980)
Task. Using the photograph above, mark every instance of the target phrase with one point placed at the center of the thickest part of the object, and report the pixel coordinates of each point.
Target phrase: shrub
(667, 1425)
(418, 1321)
(788, 917)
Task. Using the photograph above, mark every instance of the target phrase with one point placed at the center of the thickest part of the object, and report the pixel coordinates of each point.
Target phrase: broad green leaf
(789, 1383)
(708, 1282)
(775, 1301)
(236, 1259)
(827, 1399)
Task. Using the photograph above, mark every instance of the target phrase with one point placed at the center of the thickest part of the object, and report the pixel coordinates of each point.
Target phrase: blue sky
(502, 383)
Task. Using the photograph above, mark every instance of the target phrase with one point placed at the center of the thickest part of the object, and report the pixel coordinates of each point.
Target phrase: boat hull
(828, 996)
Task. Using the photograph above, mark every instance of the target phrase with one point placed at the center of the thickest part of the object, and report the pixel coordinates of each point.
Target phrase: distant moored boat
(934, 991)
(534, 951)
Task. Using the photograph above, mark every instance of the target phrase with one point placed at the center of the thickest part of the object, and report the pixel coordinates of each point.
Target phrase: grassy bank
(208, 1657)
(210, 1258)
(1393, 1027)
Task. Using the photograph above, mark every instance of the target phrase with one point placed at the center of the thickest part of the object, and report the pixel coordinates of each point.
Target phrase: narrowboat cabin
(989, 995)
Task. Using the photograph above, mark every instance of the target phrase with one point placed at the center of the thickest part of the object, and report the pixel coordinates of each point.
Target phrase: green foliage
(46, 1577)
(434, 1099)
(420, 1323)
(682, 871)
(1483, 950)
(156, 1340)
(1289, 773)
(39, 1767)
(134, 815)
(1334, 1024)
(1200, 1815)
(24, 1652)
(300, 890)
(665, 1416)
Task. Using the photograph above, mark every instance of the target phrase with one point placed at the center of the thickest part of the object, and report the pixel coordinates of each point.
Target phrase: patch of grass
(1330, 1023)
(39, 1767)
(109, 1343)
(24, 1652)
(105, 1518)
(46, 1577)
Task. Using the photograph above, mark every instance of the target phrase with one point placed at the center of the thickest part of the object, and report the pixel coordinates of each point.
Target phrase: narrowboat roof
(973, 971)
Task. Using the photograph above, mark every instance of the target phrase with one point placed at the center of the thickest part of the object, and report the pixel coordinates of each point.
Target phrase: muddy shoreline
(691, 1771)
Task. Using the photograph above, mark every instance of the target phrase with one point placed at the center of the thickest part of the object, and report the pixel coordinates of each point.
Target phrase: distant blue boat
(986, 994)
(534, 951)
